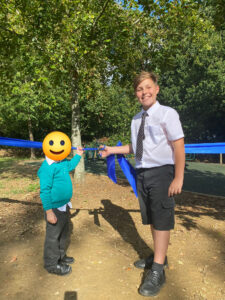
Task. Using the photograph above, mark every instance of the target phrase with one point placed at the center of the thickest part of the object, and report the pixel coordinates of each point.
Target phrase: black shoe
(146, 263)
(67, 260)
(152, 284)
(60, 269)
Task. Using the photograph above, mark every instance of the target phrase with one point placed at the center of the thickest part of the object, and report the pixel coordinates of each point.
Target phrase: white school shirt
(50, 162)
(162, 126)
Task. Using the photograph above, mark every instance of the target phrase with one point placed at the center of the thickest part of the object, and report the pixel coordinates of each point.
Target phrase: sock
(157, 267)
(165, 261)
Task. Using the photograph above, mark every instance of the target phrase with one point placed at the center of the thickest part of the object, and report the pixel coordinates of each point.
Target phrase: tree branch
(101, 13)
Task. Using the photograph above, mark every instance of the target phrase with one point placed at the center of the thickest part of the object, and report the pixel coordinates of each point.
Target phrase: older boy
(157, 140)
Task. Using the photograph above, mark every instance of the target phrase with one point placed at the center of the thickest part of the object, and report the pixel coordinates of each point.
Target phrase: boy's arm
(179, 155)
(45, 194)
(74, 162)
(126, 149)
(45, 191)
(76, 159)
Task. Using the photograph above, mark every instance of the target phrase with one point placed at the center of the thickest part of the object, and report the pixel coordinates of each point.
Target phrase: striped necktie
(141, 137)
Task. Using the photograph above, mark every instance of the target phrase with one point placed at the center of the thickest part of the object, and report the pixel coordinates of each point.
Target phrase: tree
(63, 42)
(79, 57)
(189, 56)
(29, 90)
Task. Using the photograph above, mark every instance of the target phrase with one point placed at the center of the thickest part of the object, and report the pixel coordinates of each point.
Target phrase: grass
(33, 187)
(6, 162)
(17, 192)
(15, 178)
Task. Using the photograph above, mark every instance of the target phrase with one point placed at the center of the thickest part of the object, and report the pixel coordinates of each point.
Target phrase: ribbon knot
(126, 167)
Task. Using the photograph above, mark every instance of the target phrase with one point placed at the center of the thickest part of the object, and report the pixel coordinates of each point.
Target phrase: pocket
(156, 132)
(168, 203)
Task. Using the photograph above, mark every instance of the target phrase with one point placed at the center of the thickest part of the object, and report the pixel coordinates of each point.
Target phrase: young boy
(56, 192)
(157, 140)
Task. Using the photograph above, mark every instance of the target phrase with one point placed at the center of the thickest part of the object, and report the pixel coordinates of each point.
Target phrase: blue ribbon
(30, 144)
(111, 168)
(126, 167)
(19, 143)
(205, 148)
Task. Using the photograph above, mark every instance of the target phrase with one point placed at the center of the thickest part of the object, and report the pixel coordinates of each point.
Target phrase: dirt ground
(107, 236)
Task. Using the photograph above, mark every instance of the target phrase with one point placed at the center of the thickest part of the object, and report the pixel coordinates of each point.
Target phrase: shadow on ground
(190, 206)
(19, 218)
(122, 222)
(19, 168)
(14, 201)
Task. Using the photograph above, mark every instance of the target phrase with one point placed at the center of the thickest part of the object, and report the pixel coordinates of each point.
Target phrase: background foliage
(55, 53)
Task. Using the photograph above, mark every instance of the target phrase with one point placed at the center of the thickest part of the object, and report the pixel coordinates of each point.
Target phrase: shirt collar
(50, 161)
(152, 108)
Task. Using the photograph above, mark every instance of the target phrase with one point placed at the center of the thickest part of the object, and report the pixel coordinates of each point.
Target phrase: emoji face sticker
(56, 145)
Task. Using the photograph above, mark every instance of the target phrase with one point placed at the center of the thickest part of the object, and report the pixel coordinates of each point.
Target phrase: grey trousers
(56, 238)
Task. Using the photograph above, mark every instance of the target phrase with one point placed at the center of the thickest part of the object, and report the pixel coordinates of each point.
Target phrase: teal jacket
(55, 183)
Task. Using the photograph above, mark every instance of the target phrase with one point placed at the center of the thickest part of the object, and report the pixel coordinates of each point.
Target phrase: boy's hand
(106, 152)
(51, 217)
(175, 187)
(80, 151)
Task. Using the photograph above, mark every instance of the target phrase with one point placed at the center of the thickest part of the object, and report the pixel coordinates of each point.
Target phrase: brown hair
(144, 75)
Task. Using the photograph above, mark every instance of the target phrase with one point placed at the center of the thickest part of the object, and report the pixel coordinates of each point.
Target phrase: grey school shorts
(155, 205)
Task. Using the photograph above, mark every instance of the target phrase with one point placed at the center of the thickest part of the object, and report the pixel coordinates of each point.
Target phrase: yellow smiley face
(56, 145)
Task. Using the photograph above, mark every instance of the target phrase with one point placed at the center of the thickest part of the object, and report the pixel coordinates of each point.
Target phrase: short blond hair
(144, 75)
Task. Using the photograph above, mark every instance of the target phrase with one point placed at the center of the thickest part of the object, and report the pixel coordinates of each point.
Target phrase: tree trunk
(31, 137)
(76, 137)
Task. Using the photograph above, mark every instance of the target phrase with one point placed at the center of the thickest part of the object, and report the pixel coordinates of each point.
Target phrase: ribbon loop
(126, 167)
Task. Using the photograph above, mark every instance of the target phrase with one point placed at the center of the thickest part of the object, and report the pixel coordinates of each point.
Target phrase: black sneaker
(153, 283)
(60, 269)
(146, 263)
(67, 260)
